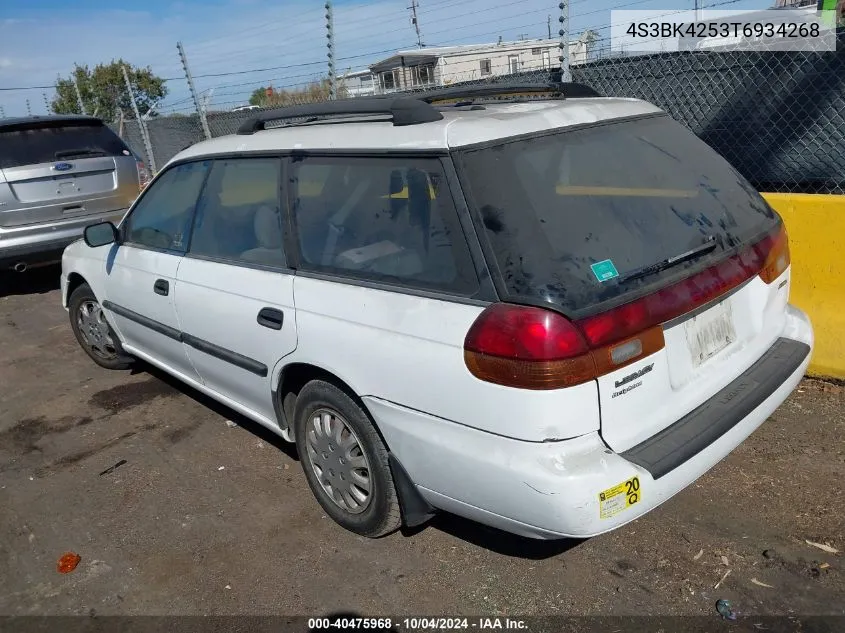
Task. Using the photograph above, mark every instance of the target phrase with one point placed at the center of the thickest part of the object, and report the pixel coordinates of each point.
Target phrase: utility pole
(143, 129)
(565, 75)
(46, 103)
(697, 11)
(28, 108)
(415, 21)
(549, 24)
(330, 46)
(193, 90)
(206, 100)
(78, 95)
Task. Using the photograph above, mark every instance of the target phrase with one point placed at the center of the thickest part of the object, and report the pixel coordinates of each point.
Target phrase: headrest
(268, 231)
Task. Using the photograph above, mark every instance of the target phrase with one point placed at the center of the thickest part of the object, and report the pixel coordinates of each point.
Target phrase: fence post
(143, 128)
(200, 111)
(565, 75)
(78, 94)
(28, 108)
(46, 103)
(330, 45)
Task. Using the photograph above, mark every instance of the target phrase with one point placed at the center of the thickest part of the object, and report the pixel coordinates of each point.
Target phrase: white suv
(548, 315)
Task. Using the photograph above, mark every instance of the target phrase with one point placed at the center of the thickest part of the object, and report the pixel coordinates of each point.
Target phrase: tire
(93, 332)
(354, 458)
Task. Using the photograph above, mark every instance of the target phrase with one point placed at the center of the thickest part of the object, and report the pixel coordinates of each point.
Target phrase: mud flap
(415, 509)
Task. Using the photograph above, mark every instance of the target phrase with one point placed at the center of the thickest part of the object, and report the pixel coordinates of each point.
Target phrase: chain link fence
(778, 117)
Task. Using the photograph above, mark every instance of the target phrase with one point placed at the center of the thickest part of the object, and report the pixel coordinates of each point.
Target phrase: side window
(239, 215)
(162, 217)
(385, 219)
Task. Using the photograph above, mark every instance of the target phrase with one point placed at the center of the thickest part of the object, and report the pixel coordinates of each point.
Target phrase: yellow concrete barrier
(816, 227)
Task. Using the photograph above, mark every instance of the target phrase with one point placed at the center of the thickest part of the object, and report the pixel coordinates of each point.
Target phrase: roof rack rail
(493, 91)
(403, 110)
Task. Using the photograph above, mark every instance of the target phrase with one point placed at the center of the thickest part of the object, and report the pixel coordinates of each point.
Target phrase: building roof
(457, 128)
(439, 51)
(355, 73)
(430, 54)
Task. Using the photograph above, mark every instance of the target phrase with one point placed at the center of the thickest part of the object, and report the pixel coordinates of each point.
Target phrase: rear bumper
(552, 489)
(44, 243)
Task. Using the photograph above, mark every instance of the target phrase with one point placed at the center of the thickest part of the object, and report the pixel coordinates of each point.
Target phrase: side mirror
(100, 234)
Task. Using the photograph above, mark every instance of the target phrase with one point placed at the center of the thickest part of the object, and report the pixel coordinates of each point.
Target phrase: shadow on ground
(34, 281)
(222, 410)
(495, 540)
(479, 535)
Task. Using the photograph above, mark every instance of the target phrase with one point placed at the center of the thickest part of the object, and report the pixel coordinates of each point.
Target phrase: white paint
(676, 385)
(496, 121)
(389, 345)
(532, 462)
(219, 303)
(514, 485)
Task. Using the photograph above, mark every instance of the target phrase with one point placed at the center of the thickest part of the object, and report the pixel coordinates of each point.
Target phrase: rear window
(569, 215)
(48, 144)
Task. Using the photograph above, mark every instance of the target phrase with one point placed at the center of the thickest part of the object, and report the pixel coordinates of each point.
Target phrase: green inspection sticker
(604, 270)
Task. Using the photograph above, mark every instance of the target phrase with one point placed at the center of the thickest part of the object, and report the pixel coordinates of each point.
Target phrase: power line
(346, 41)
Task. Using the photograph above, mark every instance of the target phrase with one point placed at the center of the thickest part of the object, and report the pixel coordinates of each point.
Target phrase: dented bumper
(576, 487)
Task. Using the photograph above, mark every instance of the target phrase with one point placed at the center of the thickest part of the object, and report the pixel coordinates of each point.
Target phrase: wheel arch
(74, 280)
(293, 377)
(414, 509)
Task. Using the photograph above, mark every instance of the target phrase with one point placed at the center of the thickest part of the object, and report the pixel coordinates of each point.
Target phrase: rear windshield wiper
(708, 245)
(79, 152)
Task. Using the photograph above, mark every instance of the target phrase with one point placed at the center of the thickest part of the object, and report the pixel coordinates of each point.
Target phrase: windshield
(573, 217)
(48, 144)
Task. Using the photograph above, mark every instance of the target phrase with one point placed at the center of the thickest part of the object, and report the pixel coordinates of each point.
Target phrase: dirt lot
(203, 518)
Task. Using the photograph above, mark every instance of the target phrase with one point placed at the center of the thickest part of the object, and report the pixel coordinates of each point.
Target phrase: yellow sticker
(621, 497)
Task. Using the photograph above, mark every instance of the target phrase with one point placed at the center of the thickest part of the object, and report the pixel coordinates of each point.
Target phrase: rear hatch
(647, 240)
(56, 168)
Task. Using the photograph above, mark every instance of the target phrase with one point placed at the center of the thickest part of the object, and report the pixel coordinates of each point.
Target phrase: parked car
(57, 175)
(546, 315)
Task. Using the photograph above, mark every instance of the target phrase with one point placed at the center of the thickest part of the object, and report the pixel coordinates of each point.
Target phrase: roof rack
(466, 94)
(403, 110)
(412, 109)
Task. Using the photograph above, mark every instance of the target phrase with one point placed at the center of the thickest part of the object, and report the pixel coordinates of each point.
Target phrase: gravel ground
(204, 518)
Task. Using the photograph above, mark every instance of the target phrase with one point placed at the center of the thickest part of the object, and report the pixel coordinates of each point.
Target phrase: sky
(235, 46)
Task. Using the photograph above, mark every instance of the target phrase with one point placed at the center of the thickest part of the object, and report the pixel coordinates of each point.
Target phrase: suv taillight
(143, 174)
(534, 348)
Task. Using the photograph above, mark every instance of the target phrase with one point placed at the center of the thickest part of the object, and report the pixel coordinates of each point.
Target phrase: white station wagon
(545, 312)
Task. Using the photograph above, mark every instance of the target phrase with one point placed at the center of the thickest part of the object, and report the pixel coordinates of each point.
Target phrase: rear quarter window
(389, 220)
(568, 214)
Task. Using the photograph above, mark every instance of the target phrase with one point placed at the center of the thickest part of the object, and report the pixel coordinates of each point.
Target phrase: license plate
(710, 332)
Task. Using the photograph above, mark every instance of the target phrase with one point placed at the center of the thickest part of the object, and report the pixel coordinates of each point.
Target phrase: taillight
(143, 174)
(527, 347)
(776, 250)
(534, 348)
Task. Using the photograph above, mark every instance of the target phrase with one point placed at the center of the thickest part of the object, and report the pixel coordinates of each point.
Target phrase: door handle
(271, 318)
(161, 287)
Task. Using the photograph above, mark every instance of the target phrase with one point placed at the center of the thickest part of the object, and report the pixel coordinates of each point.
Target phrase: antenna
(415, 21)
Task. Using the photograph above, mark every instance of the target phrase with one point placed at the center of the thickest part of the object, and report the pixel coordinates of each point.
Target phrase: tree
(104, 93)
(269, 97)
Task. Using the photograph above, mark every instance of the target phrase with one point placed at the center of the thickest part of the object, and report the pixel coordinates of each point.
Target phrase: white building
(358, 83)
(447, 65)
